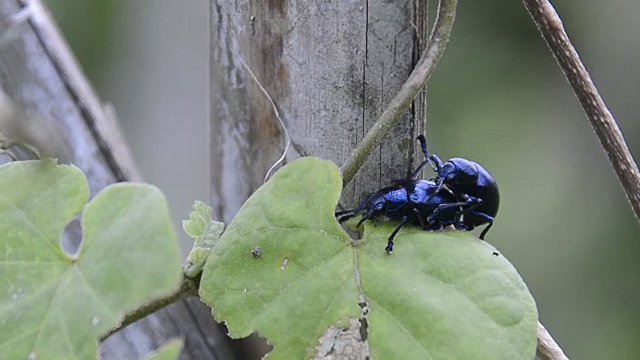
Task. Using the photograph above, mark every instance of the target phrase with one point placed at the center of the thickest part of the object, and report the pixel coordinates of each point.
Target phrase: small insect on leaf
(313, 289)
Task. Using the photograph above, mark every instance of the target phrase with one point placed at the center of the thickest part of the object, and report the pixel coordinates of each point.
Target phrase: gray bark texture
(331, 67)
(45, 100)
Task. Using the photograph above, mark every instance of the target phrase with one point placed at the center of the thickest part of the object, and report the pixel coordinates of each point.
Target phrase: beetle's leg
(421, 219)
(471, 204)
(486, 230)
(482, 217)
(459, 225)
(389, 247)
(436, 165)
(432, 217)
(364, 217)
(368, 215)
(372, 213)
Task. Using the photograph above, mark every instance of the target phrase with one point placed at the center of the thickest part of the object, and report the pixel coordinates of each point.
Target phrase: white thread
(275, 110)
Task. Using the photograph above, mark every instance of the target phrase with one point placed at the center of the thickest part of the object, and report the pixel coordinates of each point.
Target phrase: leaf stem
(548, 349)
(188, 288)
(407, 93)
(604, 124)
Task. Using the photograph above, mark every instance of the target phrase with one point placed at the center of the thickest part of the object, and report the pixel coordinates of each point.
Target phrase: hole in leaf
(364, 328)
(72, 237)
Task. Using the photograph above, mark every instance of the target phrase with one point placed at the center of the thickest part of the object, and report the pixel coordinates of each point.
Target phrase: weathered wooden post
(330, 66)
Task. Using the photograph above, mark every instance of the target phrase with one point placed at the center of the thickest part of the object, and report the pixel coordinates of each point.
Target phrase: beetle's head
(375, 204)
(458, 171)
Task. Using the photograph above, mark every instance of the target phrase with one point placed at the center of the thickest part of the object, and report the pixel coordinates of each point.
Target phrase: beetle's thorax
(459, 171)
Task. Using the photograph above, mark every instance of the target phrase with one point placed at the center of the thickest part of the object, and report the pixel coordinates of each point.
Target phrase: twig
(409, 90)
(604, 124)
(188, 288)
(550, 25)
(548, 349)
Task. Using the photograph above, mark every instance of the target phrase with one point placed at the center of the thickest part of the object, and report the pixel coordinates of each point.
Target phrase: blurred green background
(497, 97)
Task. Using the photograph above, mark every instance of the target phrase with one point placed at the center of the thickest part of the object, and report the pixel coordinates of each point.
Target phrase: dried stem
(550, 25)
(548, 349)
(407, 93)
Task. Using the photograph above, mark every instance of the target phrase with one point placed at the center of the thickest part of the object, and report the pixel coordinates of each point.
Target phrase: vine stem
(604, 124)
(407, 93)
(188, 288)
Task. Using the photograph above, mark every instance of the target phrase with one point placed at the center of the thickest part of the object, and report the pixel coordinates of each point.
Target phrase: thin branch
(550, 25)
(188, 288)
(548, 349)
(409, 90)
(604, 124)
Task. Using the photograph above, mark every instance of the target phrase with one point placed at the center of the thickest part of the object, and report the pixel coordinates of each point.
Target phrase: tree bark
(45, 98)
(331, 67)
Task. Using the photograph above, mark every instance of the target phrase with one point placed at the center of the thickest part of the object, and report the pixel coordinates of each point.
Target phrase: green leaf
(314, 291)
(205, 232)
(201, 227)
(168, 351)
(444, 295)
(54, 305)
(195, 261)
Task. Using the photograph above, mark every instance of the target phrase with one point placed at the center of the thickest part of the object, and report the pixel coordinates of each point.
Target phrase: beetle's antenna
(423, 145)
(275, 110)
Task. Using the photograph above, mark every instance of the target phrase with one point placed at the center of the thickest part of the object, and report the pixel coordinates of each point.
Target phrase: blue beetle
(475, 190)
(409, 201)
